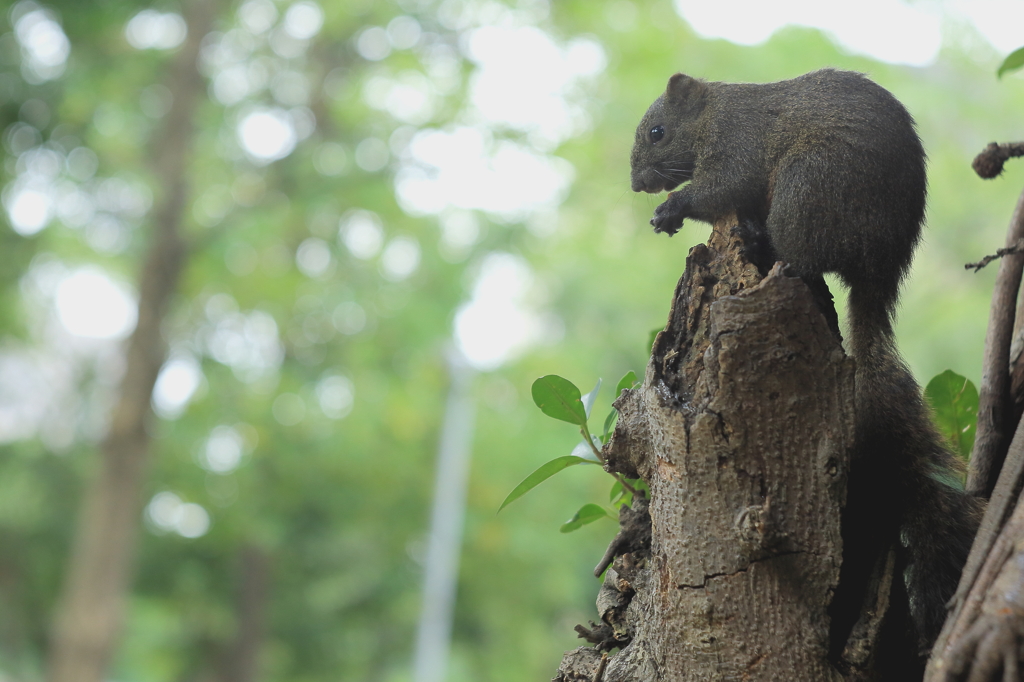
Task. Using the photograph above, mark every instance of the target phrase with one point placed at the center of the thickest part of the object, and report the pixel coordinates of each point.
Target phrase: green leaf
(1013, 62)
(628, 381)
(588, 399)
(588, 513)
(542, 474)
(641, 486)
(620, 496)
(559, 398)
(609, 424)
(584, 451)
(954, 401)
(617, 490)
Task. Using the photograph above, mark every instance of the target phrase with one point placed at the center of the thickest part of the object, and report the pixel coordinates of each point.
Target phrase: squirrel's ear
(681, 87)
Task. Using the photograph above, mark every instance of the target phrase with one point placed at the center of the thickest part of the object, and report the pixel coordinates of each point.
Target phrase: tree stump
(743, 429)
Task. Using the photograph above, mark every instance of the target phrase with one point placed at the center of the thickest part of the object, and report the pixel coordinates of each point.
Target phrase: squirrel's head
(662, 155)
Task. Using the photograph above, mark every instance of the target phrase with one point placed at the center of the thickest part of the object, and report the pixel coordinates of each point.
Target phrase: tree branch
(994, 393)
(989, 163)
(1008, 251)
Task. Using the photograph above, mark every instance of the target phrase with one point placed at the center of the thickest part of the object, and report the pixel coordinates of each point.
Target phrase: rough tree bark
(983, 637)
(742, 429)
(89, 612)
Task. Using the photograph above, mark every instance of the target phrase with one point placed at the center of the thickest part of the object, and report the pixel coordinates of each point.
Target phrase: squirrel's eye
(657, 132)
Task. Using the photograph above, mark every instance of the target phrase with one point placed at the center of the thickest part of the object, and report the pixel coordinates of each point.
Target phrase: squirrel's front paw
(667, 219)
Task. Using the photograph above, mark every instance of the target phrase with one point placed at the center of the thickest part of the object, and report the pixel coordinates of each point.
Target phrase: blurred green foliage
(339, 502)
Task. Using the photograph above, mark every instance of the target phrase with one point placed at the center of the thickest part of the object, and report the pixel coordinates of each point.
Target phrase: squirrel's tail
(910, 483)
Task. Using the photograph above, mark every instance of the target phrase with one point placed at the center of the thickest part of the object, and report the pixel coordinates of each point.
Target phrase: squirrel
(826, 173)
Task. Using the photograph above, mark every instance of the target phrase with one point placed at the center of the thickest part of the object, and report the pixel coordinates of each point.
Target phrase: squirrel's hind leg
(757, 246)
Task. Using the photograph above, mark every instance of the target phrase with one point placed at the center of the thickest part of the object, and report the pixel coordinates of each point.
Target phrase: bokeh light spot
(91, 304)
(168, 513)
(400, 259)
(223, 450)
(153, 30)
(496, 325)
(373, 44)
(267, 134)
(29, 209)
(335, 393)
(362, 233)
(175, 385)
(303, 19)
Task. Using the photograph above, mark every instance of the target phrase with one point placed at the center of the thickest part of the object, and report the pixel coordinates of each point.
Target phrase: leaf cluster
(560, 399)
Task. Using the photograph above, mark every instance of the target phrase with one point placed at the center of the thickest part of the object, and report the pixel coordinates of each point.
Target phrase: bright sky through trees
(887, 30)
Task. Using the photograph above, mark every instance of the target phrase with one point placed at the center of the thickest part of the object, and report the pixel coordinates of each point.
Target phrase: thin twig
(1007, 251)
(599, 675)
(625, 485)
(585, 432)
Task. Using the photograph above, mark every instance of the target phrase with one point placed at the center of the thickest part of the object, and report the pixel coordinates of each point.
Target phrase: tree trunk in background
(242, 663)
(90, 610)
(743, 429)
